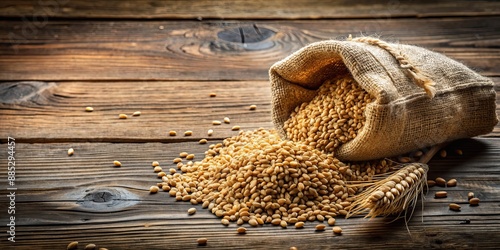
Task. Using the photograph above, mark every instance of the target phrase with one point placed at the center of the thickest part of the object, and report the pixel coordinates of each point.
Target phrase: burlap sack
(422, 98)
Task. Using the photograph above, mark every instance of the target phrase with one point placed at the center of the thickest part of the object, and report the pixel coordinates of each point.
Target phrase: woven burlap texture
(403, 118)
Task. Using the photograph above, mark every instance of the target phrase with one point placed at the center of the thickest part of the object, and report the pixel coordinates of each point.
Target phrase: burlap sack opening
(403, 117)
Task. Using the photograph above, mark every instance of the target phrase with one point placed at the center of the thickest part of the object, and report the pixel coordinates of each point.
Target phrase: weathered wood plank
(53, 206)
(298, 9)
(55, 112)
(58, 112)
(190, 50)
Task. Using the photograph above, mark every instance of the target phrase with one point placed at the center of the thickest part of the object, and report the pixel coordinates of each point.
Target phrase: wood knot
(247, 37)
(18, 92)
(106, 199)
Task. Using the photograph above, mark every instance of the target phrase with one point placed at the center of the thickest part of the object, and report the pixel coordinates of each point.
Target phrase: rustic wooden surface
(112, 57)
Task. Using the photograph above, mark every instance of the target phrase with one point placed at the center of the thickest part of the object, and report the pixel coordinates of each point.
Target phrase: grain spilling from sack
(333, 117)
(256, 177)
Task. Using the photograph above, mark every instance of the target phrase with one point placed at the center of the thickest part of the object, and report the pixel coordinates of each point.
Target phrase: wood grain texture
(58, 112)
(55, 112)
(193, 50)
(52, 208)
(225, 9)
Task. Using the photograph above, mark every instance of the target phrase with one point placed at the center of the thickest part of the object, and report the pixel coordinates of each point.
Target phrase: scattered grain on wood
(157, 169)
(210, 132)
(153, 189)
(72, 245)
(331, 221)
(320, 227)
(443, 153)
(470, 195)
(253, 107)
(71, 151)
(122, 116)
(212, 94)
(235, 128)
(117, 163)
(136, 113)
(337, 230)
(172, 133)
(451, 183)
(299, 225)
(188, 133)
(474, 201)
(190, 157)
(203, 141)
(241, 230)
(431, 183)
(440, 182)
(155, 164)
(89, 109)
(202, 241)
(182, 155)
(226, 120)
(215, 122)
(441, 194)
(90, 246)
(454, 207)
(192, 211)
(177, 160)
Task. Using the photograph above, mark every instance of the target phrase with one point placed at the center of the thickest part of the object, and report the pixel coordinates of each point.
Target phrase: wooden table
(163, 59)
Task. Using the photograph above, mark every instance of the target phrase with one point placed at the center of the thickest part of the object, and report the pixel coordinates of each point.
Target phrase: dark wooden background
(163, 58)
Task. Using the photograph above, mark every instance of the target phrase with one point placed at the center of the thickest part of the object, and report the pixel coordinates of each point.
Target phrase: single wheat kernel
(216, 122)
(331, 221)
(183, 154)
(440, 182)
(102, 248)
(474, 201)
(443, 153)
(293, 248)
(72, 245)
(241, 230)
(404, 159)
(210, 132)
(165, 188)
(431, 183)
(172, 171)
(172, 133)
(192, 211)
(283, 224)
(337, 230)
(136, 113)
(202, 241)
(441, 194)
(226, 120)
(190, 157)
(224, 222)
(203, 141)
(117, 163)
(253, 107)
(154, 189)
(71, 151)
(122, 116)
(213, 94)
(188, 133)
(157, 169)
(299, 224)
(253, 222)
(161, 174)
(470, 195)
(320, 227)
(155, 164)
(177, 160)
(236, 127)
(451, 183)
(459, 152)
(454, 207)
(88, 109)
(90, 246)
